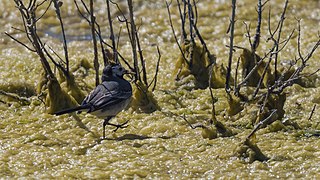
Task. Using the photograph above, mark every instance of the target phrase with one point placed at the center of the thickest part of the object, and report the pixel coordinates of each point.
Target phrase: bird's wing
(109, 100)
(106, 94)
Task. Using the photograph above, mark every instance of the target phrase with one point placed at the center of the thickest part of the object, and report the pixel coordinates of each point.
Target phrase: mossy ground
(35, 144)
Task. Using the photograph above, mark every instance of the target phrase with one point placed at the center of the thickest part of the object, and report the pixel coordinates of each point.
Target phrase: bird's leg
(105, 122)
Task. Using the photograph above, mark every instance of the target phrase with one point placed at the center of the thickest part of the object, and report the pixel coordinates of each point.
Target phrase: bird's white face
(118, 71)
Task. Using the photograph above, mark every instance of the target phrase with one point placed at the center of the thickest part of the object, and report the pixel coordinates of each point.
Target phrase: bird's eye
(120, 68)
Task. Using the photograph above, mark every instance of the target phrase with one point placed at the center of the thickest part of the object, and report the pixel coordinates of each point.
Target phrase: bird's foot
(119, 126)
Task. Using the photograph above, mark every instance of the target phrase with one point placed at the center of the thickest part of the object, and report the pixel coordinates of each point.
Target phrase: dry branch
(232, 22)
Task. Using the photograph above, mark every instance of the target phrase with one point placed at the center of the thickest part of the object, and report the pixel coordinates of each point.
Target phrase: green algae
(35, 144)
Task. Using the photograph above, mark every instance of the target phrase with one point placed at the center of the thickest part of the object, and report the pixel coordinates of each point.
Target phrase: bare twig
(28, 16)
(195, 13)
(211, 58)
(58, 65)
(281, 84)
(278, 38)
(174, 34)
(191, 125)
(142, 60)
(133, 41)
(45, 9)
(192, 41)
(314, 48)
(262, 77)
(299, 40)
(54, 52)
(312, 111)
(21, 43)
(92, 23)
(94, 41)
(182, 18)
(265, 101)
(262, 123)
(232, 22)
(213, 99)
(236, 77)
(154, 80)
(112, 37)
(57, 5)
(123, 20)
(256, 38)
(98, 31)
(23, 100)
(248, 34)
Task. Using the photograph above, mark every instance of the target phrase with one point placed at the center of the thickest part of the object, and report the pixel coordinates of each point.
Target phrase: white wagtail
(108, 98)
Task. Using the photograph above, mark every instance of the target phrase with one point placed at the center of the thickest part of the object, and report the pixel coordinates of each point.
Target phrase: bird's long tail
(71, 110)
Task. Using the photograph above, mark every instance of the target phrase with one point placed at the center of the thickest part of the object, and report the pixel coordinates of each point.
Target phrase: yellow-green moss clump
(57, 99)
(248, 61)
(60, 96)
(235, 104)
(209, 132)
(142, 99)
(198, 67)
(68, 83)
(84, 63)
(274, 101)
(21, 88)
(250, 152)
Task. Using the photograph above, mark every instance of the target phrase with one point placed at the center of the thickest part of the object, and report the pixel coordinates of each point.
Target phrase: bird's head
(114, 70)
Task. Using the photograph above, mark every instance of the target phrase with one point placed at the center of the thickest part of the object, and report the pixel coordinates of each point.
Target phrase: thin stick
(213, 100)
(192, 41)
(45, 11)
(211, 58)
(256, 38)
(278, 38)
(262, 77)
(183, 20)
(112, 37)
(142, 61)
(98, 31)
(133, 41)
(174, 34)
(18, 41)
(248, 34)
(94, 41)
(236, 77)
(29, 21)
(15, 97)
(192, 126)
(232, 22)
(57, 5)
(312, 112)
(253, 70)
(264, 122)
(154, 81)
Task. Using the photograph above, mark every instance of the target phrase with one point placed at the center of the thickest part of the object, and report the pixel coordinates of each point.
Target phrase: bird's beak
(129, 72)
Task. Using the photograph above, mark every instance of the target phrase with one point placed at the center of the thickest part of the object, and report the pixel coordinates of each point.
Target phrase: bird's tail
(70, 110)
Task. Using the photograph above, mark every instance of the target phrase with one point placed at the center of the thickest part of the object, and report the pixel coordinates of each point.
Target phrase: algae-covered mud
(161, 144)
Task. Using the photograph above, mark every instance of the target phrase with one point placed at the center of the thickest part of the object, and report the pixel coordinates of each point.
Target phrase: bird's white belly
(111, 110)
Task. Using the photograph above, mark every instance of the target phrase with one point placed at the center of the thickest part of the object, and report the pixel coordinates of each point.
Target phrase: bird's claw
(123, 125)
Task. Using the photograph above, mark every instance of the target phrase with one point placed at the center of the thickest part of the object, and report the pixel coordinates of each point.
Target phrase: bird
(108, 98)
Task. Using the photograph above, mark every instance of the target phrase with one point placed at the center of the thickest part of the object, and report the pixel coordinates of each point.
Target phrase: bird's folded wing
(103, 99)
(111, 98)
(106, 94)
